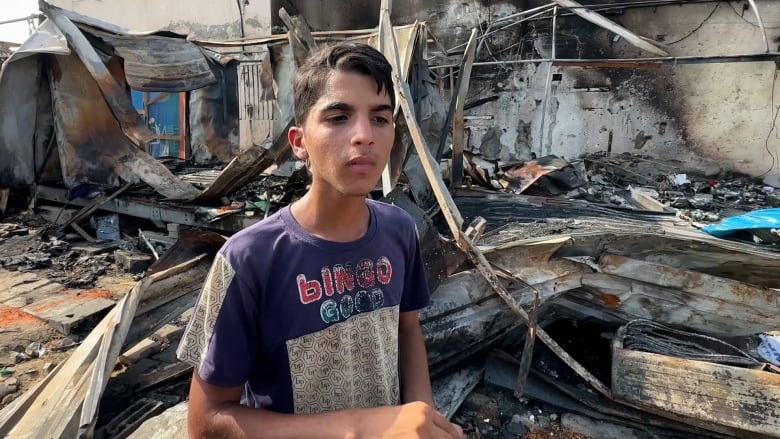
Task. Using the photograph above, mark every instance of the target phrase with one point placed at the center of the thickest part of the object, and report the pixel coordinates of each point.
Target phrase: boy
(314, 310)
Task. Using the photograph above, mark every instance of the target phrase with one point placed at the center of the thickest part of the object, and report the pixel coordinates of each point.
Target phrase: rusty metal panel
(90, 141)
(158, 63)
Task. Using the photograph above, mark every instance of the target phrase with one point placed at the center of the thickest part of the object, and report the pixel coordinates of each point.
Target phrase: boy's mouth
(361, 164)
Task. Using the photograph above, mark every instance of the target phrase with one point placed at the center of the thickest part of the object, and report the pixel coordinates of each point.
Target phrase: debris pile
(580, 301)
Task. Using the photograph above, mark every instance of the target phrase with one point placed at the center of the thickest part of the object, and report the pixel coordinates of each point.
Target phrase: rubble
(529, 329)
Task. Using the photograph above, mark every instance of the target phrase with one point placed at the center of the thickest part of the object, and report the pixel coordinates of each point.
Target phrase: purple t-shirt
(308, 325)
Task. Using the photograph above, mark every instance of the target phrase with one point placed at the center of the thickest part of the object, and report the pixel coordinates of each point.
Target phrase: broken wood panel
(762, 302)
(92, 148)
(744, 399)
(162, 375)
(646, 201)
(501, 370)
(614, 410)
(601, 21)
(629, 299)
(299, 36)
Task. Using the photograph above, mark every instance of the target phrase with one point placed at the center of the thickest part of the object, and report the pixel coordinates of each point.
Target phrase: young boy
(314, 310)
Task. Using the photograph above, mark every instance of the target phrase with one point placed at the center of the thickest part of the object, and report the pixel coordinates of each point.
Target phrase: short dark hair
(343, 57)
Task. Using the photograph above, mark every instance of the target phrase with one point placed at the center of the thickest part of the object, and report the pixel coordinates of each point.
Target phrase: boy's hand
(413, 420)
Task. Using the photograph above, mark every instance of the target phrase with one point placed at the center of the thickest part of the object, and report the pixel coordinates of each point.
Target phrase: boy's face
(347, 135)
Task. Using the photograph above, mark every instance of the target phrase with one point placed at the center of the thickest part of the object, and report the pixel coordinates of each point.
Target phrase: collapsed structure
(597, 239)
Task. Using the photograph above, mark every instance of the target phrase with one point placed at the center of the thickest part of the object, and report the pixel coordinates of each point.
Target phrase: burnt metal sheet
(92, 146)
(19, 85)
(46, 39)
(114, 93)
(681, 248)
(214, 118)
(159, 63)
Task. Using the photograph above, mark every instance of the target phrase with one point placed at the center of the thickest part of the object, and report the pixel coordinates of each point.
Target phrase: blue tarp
(758, 219)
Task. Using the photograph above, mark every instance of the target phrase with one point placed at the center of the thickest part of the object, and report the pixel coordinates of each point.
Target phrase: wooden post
(4, 195)
(458, 122)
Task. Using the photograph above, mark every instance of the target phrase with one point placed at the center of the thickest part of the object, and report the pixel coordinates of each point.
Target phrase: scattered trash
(680, 179)
(769, 348)
(761, 223)
(35, 349)
(107, 227)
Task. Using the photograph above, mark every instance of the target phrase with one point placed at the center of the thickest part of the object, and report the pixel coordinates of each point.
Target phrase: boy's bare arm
(415, 378)
(215, 412)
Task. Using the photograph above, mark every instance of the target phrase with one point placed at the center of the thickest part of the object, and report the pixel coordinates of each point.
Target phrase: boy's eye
(337, 118)
(381, 120)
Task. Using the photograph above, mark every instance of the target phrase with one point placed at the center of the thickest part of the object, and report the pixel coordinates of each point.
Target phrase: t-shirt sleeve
(415, 295)
(222, 336)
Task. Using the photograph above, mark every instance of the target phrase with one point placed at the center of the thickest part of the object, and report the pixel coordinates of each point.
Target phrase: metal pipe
(672, 60)
(593, 7)
(515, 23)
(548, 82)
(524, 13)
(760, 24)
(16, 20)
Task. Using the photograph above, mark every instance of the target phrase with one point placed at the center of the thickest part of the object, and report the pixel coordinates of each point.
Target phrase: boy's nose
(363, 133)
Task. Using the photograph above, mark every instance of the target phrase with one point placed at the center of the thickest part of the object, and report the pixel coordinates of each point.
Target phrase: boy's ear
(295, 137)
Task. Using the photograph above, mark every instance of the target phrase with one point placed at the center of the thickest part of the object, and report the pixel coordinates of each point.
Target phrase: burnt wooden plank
(744, 399)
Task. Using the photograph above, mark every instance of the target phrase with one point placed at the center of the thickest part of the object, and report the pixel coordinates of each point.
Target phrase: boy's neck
(333, 217)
